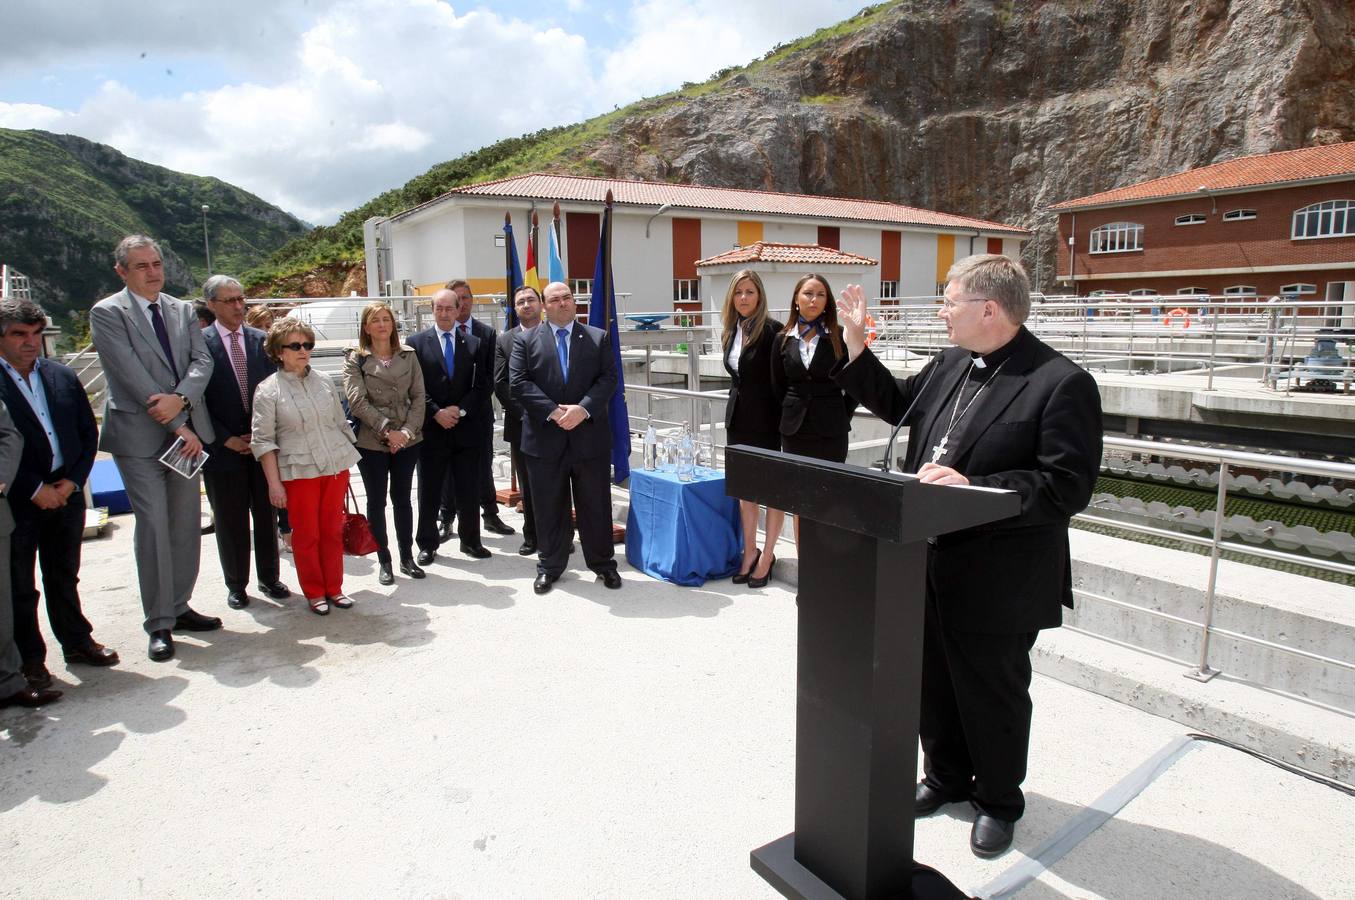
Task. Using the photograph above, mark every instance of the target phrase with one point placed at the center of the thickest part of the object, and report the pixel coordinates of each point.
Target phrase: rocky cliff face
(998, 109)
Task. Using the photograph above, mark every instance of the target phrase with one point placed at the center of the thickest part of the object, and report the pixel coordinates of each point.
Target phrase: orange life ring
(1177, 314)
(870, 330)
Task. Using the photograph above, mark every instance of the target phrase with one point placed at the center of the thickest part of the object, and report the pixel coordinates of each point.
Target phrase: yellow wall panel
(945, 255)
(749, 233)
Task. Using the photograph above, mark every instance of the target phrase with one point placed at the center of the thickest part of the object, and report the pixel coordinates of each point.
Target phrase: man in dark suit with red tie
(236, 486)
(1000, 409)
(457, 369)
(563, 374)
(60, 438)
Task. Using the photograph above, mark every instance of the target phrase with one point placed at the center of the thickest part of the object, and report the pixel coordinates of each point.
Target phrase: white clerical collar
(978, 362)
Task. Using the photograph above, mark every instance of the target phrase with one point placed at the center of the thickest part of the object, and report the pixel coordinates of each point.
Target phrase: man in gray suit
(157, 366)
(14, 688)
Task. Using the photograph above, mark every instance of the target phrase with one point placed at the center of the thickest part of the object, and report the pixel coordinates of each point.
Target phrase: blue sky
(318, 105)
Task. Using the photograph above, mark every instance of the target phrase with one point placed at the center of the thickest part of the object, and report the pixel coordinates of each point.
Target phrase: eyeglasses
(298, 346)
(231, 300)
(949, 304)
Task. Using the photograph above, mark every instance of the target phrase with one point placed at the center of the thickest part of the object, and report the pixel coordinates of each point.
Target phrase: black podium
(863, 563)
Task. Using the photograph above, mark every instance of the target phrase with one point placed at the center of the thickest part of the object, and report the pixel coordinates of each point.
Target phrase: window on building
(1239, 215)
(1191, 219)
(1103, 293)
(1240, 289)
(889, 290)
(686, 290)
(1143, 292)
(582, 287)
(1330, 218)
(1191, 292)
(1116, 237)
(1300, 288)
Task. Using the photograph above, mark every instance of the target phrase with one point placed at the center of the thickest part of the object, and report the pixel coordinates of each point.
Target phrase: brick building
(1277, 223)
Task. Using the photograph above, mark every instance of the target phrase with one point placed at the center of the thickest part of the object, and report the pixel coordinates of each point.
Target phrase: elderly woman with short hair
(302, 439)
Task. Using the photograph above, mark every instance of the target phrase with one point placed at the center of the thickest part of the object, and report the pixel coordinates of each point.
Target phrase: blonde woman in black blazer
(753, 413)
(816, 415)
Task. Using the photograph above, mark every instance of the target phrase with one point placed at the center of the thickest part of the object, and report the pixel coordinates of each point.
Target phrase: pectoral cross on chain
(939, 450)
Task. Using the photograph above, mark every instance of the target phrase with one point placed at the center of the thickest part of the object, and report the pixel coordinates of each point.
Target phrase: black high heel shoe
(742, 577)
(762, 582)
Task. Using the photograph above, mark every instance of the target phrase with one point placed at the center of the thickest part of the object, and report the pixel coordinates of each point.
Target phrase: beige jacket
(384, 398)
(302, 419)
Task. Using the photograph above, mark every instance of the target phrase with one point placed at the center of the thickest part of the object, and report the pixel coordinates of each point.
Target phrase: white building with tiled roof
(780, 266)
(660, 233)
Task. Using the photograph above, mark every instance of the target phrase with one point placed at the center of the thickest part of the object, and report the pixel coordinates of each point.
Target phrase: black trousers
(50, 538)
(237, 495)
(489, 503)
(439, 461)
(381, 472)
(553, 480)
(525, 485)
(975, 716)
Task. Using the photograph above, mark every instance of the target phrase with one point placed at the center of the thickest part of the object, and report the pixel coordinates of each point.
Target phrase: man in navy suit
(563, 375)
(52, 413)
(236, 486)
(457, 369)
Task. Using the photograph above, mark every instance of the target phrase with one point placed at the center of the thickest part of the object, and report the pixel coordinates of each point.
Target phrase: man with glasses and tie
(157, 366)
(236, 485)
(562, 374)
(1000, 409)
(458, 369)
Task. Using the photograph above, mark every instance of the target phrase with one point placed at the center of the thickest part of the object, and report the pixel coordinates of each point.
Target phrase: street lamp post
(206, 244)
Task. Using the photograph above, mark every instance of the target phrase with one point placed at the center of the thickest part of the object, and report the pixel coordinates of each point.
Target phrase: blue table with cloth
(683, 532)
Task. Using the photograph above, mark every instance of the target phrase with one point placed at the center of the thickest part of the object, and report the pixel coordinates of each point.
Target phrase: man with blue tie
(563, 374)
(157, 366)
(236, 486)
(60, 438)
(457, 369)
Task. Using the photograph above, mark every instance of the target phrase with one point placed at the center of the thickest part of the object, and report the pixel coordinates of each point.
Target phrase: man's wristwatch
(187, 404)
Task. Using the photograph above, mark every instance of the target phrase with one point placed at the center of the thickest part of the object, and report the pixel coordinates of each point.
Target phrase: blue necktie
(158, 323)
(562, 350)
(448, 352)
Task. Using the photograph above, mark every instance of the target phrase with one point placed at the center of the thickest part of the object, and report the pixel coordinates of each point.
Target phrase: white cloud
(367, 94)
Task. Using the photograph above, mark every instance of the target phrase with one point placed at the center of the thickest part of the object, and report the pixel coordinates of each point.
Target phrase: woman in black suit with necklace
(753, 413)
(816, 416)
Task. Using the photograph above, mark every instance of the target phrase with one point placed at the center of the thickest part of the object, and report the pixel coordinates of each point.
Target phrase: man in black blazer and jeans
(457, 367)
(236, 486)
(46, 496)
(1001, 410)
(563, 375)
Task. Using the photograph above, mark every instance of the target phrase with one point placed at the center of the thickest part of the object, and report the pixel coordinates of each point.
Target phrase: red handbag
(357, 531)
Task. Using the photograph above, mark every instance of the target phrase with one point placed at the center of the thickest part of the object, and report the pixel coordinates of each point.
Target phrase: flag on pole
(602, 314)
(555, 268)
(530, 276)
(513, 277)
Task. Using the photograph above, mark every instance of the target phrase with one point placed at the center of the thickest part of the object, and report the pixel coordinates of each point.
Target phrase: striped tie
(241, 376)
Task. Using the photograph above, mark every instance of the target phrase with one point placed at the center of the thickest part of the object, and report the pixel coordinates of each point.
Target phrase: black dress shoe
(275, 591)
(192, 620)
(610, 579)
(543, 583)
(384, 575)
(527, 548)
(410, 568)
(445, 531)
(425, 557)
(30, 698)
(928, 800)
(162, 646)
(237, 599)
(92, 654)
(478, 551)
(37, 676)
(498, 526)
(991, 836)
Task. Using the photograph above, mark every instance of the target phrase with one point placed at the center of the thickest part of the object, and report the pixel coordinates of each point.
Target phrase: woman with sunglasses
(305, 445)
(384, 385)
(753, 413)
(816, 416)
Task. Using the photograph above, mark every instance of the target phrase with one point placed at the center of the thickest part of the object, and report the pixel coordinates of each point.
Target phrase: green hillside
(65, 202)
